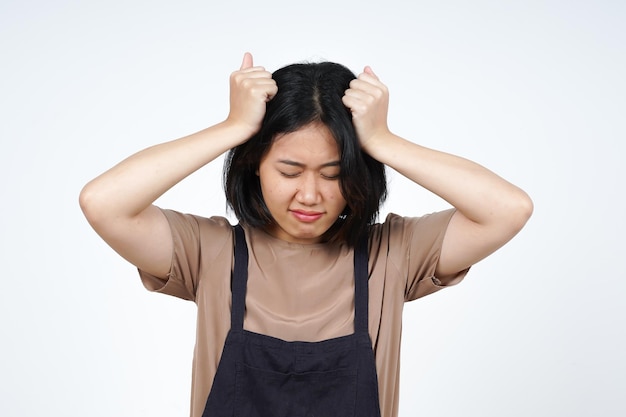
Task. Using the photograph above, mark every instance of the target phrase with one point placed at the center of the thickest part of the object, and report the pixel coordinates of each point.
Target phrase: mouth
(306, 216)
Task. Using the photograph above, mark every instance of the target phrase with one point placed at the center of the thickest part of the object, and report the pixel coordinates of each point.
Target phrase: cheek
(274, 190)
(334, 195)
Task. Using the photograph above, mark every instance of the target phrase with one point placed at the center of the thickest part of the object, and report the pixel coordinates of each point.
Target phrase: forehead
(313, 141)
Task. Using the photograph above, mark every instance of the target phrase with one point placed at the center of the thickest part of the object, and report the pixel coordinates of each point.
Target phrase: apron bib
(263, 376)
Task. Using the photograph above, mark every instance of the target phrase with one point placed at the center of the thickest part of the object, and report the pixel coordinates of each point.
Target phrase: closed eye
(330, 172)
(289, 174)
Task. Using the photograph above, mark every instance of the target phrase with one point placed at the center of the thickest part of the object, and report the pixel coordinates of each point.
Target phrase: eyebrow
(301, 165)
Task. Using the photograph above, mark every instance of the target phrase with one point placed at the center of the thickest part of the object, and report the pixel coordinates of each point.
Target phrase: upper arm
(466, 242)
(144, 240)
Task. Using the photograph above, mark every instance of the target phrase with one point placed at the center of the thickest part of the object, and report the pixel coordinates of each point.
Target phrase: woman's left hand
(368, 100)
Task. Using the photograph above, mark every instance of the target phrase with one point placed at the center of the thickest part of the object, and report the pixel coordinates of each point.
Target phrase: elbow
(89, 204)
(529, 206)
(520, 211)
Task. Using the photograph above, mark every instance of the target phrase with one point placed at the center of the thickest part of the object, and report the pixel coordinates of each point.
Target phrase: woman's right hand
(250, 89)
(119, 203)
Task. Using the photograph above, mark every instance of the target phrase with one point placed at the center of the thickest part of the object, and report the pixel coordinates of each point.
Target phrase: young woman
(300, 305)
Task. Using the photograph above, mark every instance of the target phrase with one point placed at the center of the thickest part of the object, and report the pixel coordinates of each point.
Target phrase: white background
(534, 90)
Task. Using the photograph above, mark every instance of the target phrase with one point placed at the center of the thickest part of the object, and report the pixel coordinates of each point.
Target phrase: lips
(306, 216)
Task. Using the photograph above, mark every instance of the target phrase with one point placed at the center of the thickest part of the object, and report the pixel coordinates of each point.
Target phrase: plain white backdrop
(534, 90)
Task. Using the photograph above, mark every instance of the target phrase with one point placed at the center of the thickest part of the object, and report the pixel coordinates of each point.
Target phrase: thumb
(368, 70)
(247, 61)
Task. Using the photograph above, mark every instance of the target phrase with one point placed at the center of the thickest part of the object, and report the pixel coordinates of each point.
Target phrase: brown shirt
(302, 292)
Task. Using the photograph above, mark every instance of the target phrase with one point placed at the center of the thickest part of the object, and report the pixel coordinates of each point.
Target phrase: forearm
(479, 194)
(490, 210)
(135, 183)
(119, 203)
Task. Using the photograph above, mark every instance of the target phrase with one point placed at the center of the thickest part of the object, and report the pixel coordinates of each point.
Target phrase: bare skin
(300, 184)
(119, 203)
(490, 210)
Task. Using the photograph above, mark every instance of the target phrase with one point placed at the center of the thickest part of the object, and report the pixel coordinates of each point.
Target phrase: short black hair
(308, 93)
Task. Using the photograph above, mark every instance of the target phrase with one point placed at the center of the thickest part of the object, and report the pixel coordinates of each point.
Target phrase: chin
(307, 235)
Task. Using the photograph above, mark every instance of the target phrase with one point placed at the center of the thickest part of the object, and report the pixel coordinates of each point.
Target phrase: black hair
(308, 93)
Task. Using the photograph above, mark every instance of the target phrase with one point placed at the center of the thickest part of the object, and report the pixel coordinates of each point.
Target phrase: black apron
(262, 376)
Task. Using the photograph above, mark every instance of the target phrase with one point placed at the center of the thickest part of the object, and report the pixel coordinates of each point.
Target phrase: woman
(300, 307)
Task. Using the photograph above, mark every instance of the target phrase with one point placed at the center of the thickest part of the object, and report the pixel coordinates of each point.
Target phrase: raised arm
(119, 203)
(490, 210)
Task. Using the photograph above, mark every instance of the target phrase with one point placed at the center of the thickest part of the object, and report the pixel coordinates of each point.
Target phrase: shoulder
(409, 242)
(182, 220)
(396, 227)
(194, 231)
(408, 248)
(177, 217)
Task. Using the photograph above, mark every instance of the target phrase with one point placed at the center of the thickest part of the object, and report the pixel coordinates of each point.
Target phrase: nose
(308, 192)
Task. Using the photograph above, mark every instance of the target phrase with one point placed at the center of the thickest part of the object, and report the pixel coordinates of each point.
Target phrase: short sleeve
(413, 246)
(197, 242)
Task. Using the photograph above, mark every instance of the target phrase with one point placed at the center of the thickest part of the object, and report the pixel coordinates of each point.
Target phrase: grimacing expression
(299, 178)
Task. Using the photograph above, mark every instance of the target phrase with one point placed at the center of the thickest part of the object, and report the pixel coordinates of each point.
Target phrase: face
(299, 178)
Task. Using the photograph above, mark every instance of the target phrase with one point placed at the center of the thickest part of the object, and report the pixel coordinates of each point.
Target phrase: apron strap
(240, 281)
(361, 288)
